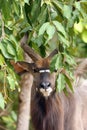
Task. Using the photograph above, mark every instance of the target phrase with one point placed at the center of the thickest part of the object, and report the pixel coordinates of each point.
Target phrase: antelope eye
(36, 70)
(55, 70)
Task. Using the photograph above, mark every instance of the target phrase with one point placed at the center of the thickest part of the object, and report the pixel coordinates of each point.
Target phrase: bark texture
(24, 99)
(24, 102)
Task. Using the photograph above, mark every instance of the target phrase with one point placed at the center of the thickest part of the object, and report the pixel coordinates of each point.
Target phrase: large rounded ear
(21, 67)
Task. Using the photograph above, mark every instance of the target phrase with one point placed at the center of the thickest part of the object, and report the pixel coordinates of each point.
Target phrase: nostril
(48, 84)
(45, 85)
(42, 85)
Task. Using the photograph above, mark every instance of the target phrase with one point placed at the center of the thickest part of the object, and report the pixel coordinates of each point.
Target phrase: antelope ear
(21, 67)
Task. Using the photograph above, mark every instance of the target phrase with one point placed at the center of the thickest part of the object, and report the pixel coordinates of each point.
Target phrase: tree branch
(5, 111)
(2, 128)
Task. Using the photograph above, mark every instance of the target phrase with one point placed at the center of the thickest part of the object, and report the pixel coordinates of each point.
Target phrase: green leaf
(43, 51)
(52, 64)
(13, 76)
(11, 82)
(1, 60)
(78, 27)
(11, 49)
(16, 49)
(13, 40)
(82, 8)
(36, 7)
(58, 6)
(65, 91)
(60, 27)
(68, 81)
(67, 11)
(26, 1)
(56, 62)
(27, 13)
(26, 29)
(38, 40)
(69, 59)
(50, 31)
(43, 14)
(63, 40)
(43, 28)
(77, 5)
(84, 36)
(6, 9)
(3, 48)
(16, 8)
(2, 102)
(20, 55)
(60, 82)
(14, 115)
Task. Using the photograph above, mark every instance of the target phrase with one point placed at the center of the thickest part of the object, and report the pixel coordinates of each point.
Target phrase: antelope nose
(45, 85)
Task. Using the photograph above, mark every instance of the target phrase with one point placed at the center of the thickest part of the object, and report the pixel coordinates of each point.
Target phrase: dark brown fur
(56, 112)
(60, 112)
(47, 114)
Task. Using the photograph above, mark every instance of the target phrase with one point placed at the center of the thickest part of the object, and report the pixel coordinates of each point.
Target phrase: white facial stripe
(43, 71)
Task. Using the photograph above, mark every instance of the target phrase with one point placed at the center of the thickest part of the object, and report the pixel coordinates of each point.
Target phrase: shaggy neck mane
(47, 114)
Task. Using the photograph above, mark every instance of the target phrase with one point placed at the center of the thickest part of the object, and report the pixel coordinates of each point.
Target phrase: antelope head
(44, 80)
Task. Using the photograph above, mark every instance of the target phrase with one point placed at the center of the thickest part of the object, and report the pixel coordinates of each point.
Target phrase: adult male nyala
(51, 110)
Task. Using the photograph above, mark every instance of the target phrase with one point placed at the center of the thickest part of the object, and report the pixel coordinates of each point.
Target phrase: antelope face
(44, 80)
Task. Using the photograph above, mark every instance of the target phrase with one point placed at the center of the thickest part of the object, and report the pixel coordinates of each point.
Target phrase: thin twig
(5, 111)
(2, 127)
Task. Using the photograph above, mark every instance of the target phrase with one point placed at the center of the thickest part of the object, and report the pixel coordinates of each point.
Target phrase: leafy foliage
(1, 101)
(51, 24)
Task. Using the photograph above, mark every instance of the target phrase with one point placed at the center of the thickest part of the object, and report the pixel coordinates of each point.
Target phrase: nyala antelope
(51, 110)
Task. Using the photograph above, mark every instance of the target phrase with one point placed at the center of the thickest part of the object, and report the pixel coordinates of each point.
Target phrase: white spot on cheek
(46, 92)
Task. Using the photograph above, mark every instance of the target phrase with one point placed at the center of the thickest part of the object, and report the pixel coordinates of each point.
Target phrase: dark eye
(55, 70)
(36, 70)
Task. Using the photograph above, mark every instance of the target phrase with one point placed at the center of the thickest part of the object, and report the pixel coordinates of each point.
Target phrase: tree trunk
(24, 102)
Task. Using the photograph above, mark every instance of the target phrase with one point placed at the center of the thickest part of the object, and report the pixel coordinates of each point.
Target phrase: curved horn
(54, 52)
(34, 56)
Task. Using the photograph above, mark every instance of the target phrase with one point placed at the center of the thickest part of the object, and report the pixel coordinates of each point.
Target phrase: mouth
(46, 92)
